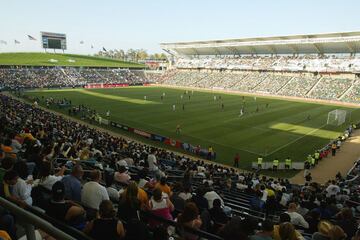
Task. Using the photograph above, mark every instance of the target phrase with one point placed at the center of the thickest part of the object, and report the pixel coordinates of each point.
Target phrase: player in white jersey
(241, 112)
(174, 107)
(108, 113)
(145, 98)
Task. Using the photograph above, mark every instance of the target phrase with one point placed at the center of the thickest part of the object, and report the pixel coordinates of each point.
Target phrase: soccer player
(267, 105)
(189, 96)
(309, 117)
(178, 129)
(222, 106)
(214, 98)
(241, 112)
(255, 99)
(161, 97)
(183, 107)
(163, 94)
(145, 98)
(236, 160)
(108, 113)
(181, 96)
(192, 92)
(174, 107)
(257, 109)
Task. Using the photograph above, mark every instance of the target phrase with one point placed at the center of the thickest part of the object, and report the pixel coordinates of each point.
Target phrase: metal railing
(30, 220)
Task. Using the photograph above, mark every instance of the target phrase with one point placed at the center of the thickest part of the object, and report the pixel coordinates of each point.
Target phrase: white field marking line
(295, 140)
(228, 146)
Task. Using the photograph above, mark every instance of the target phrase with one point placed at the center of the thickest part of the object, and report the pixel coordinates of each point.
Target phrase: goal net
(336, 117)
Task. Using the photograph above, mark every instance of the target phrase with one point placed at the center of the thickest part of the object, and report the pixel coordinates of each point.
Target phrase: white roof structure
(328, 43)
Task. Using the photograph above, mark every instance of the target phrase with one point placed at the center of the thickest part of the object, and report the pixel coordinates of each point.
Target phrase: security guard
(317, 157)
(275, 164)
(287, 163)
(259, 162)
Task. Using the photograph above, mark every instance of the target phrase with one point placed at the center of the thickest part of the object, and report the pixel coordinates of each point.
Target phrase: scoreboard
(53, 40)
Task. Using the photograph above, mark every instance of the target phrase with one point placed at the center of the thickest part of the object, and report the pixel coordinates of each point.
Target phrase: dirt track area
(330, 166)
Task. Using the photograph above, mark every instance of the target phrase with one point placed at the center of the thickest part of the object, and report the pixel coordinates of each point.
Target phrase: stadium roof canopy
(329, 43)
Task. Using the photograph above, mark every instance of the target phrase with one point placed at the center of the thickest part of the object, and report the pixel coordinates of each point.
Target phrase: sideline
(330, 166)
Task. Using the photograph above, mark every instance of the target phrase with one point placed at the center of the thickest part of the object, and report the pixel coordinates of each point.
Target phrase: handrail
(34, 220)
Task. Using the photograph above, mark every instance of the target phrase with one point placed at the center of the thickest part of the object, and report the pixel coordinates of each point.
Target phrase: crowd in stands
(114, 188)
(19, 77)
(311, 63)
(334, 88)
(298, 85)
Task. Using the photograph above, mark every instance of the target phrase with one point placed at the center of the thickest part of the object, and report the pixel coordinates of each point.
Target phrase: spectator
(266, 233)
(185, 194)
(106, 226)
(324, 230)
(62, 210)
(160, 205)
(93, 194)
(164, 187)
(22, 188)
(285, 218)
(189, 218)
(46, 179)
(72, 183)
(217, 213)
(347, 222)
(130, 204)
(295, 217)
(122, 176)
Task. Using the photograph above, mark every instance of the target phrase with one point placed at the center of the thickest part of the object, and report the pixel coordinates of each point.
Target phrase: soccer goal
(336, 117)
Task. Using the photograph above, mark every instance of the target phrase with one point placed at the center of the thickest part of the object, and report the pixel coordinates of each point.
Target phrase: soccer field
(280, 130)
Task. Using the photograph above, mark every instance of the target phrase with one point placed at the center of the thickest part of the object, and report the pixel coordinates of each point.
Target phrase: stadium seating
(18, 77)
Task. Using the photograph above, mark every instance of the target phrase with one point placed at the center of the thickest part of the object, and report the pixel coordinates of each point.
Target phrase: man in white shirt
(295, 217)
(332, 189)
(93, 193)
(211, 196)
(152, 161)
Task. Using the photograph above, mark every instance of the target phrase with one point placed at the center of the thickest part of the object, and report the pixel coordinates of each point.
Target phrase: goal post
(336, 117)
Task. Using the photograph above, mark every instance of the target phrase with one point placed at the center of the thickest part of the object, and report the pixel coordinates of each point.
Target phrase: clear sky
(146, 23)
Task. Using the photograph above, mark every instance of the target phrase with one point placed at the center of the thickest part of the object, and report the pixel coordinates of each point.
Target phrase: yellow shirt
(270, 192)
(164, 188)
(276, 234)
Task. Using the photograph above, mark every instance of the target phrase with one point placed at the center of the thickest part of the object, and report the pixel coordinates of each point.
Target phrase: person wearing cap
(122, 176)
(62, 210)
(72, 183)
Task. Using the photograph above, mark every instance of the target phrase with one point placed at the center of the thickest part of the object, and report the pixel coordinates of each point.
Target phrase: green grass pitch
(42, 59)
(279, 130)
